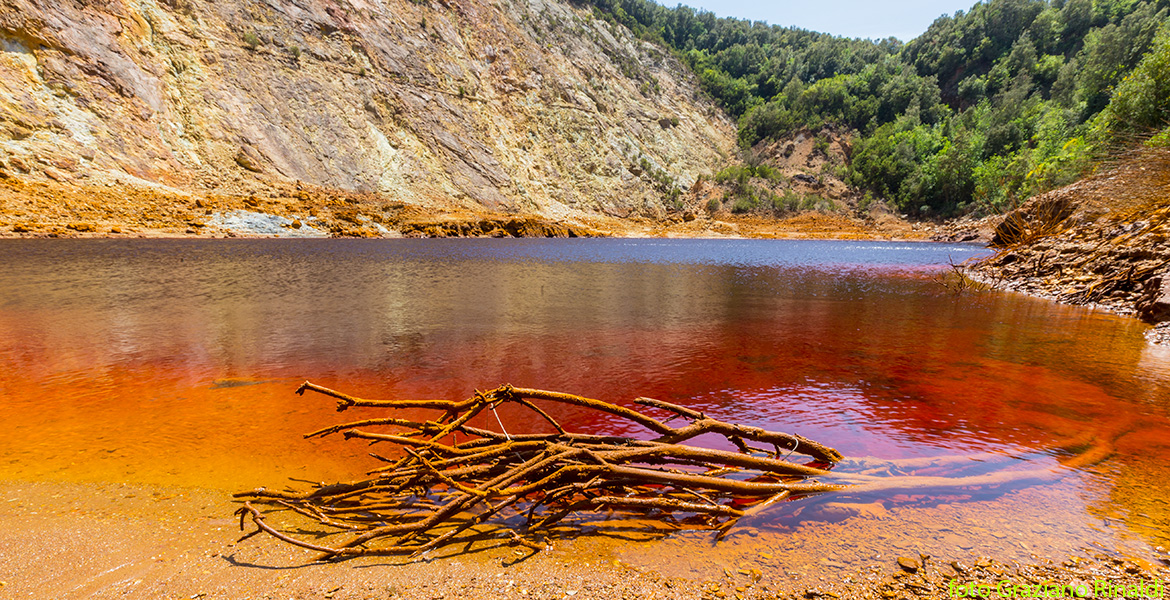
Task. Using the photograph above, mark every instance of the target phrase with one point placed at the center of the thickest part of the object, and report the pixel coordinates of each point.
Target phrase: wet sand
(65, 540)
(61, 540)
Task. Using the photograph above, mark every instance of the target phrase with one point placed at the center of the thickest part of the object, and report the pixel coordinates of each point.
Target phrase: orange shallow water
(174, 362)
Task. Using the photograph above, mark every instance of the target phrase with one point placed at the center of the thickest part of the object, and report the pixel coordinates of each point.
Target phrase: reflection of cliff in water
(111, 351)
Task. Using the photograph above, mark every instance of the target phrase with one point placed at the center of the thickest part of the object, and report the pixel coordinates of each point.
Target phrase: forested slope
(985, 109)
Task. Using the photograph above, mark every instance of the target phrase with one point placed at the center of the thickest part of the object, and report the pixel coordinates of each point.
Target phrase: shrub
(866, 201)
(1160, 140)
(1142, 100)
(790, 202)
(743, 204)
(821, 145)
(251, 41)
(769, 173)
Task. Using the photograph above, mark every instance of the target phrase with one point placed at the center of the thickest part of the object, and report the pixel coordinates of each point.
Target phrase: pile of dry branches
(456, 482)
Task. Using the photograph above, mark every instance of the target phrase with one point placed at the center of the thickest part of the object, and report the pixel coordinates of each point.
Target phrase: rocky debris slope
(797, 173)
(813, 163)
(530, 107)
(1103, 241)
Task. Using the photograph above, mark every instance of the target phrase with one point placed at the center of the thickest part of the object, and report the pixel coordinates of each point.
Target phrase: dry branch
(457, 481)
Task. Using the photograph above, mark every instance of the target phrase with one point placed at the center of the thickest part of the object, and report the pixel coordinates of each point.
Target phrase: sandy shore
(118, 541)
(62, 540)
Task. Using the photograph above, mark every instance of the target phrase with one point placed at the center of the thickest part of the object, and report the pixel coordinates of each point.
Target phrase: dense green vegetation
(986, 108)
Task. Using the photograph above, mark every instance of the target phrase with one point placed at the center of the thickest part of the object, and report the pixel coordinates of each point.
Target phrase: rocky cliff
(338, 115)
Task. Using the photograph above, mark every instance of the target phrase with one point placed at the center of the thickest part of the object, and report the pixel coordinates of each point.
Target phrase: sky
(877, 19)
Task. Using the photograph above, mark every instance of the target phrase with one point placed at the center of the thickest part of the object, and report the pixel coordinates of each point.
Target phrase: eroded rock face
(515, 106)
(1043, 216)
(1102, 241)
(1154, 305)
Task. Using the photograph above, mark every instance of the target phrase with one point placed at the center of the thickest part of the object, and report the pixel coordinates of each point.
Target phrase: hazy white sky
(903, 19)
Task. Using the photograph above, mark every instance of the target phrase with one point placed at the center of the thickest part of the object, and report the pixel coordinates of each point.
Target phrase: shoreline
(136, 541)
(1100, 242)
(141, 541)
(245, 236)
(809, 225)
(120, 210)
(1157, 335)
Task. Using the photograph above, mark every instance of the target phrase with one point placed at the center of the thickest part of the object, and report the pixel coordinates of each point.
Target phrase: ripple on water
(172, 362)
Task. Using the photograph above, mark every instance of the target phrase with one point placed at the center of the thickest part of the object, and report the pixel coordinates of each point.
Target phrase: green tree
(985, 108)
(1142, 100)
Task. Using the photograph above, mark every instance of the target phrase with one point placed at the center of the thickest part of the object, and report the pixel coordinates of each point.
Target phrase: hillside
(985, 109)
(543, 117)
(357, 118)
(1103, 241)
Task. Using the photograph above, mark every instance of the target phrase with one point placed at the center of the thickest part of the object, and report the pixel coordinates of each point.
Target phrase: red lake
(173, 362)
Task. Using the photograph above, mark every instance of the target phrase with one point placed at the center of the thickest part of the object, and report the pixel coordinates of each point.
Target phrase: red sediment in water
(878, 365)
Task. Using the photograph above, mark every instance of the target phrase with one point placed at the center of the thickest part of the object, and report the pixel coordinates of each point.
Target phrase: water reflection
(114, 356)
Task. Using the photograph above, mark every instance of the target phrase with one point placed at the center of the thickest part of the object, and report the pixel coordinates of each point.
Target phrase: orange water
(173, 363)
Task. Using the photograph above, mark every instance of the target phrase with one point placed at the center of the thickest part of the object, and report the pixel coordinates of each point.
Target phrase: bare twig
(456, 479)
(457, 484)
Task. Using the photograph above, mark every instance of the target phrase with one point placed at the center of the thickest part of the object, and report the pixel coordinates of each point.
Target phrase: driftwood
(957, 282)
(514, 486)
(455, 483)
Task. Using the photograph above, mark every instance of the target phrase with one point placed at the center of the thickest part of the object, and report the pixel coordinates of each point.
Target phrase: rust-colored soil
(119, 541)
(62, 540)
(137, 209)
